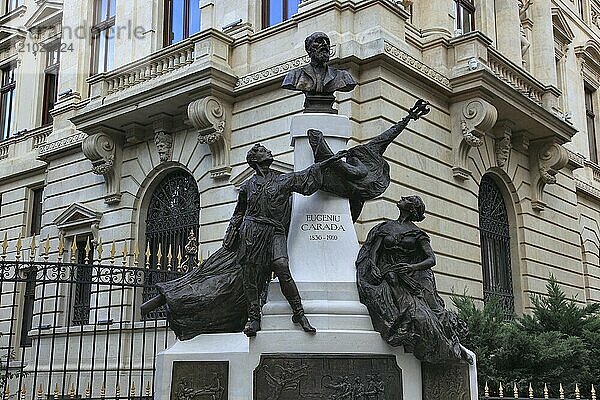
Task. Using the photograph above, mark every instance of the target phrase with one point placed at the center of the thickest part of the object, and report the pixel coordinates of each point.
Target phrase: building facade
(129, 121)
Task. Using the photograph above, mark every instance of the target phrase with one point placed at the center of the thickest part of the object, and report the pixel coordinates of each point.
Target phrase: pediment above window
(563, 34)
(589, 58)
(77, 216)
(9, 36)
(48, 14)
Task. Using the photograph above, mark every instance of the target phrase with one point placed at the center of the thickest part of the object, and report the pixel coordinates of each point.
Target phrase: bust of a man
(317, 80)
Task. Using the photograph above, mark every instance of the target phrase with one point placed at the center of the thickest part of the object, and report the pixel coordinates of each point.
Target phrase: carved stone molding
(503, 143)
(471, 120)
(161, 125)
(546, 159)
(210, 115)
(105, 153)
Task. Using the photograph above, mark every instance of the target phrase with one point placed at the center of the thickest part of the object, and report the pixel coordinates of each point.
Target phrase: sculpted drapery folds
(396, 283)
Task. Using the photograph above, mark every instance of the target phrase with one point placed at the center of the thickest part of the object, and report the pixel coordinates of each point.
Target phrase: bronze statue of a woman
(396, 283)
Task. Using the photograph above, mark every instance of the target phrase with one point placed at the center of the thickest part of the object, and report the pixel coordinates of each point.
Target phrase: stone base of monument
(294, 365)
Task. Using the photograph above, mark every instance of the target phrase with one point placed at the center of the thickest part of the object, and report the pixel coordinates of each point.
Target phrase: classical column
(508, 26)
(435, 17)
(542, 43)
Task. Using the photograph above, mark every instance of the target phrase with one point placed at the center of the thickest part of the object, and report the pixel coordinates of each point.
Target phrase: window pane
(113, 8)
(101, 52)
(194, 16)
(36, 211)
(177, 21)
(4, 116)
(102, 10)
(292, 7)
(110, 50)
(275, 12)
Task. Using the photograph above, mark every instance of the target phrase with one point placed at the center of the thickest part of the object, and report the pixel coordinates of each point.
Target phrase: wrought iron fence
(502, 392)
(73, 329)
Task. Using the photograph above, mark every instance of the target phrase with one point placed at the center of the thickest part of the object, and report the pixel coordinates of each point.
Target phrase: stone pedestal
(282, 361)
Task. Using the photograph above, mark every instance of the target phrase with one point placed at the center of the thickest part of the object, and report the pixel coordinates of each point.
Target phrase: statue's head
(414, 206)
(259, 155)
(317, 47)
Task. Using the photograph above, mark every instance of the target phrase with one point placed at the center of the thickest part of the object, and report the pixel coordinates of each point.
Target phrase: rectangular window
(591, 123)
(50, 81)
(7, 100)
(12, 4)
(28, 303)
(276, 11)
(182, 20)
(83, 283)
(37, 196)
(103, 36)
(465, 16)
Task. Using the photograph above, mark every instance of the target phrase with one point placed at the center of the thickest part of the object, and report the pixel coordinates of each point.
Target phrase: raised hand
(420, 109)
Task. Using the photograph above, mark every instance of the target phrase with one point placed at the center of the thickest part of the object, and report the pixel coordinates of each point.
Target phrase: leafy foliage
(557, 343)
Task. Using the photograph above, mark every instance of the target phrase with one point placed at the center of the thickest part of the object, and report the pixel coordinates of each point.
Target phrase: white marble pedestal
(322, 248)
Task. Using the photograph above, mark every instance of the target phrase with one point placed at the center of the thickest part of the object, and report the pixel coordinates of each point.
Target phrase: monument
(377, 330)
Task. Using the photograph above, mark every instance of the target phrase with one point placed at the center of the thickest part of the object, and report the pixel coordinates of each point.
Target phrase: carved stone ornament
(164, 145)
(503, 143)
(209, 115)
(200, 380)
(101, 148)
(546, 159)
(471, 120)
(445, 382)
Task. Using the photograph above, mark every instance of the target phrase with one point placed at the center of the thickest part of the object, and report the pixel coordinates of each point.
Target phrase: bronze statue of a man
(317, 80)
(258, 231)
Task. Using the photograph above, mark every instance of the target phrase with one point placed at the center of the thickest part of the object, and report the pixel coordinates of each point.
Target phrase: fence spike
(7, 392)
(74, 250)
(88, 248)
(148, 389)
(23, 392)
(4, 245)
(113, 252)
(132, 390)
(72, 391)
(56, 391)
(61, 246)
(577, 394)
(169, 258)
(545, 391)
(561, 392)
(179, 260)
(530, 391)
(88, 391)
(118, 391)
(102, 391)
(515, 390)
(486, 390)
(47, 248)
(501, 391)
(136, 254)
(593, 393)
(159, 256)
(32, 248)
(125, 251)
(40, 392)
(201, 261)
(99, 250)
(148, 255)
(19, 247)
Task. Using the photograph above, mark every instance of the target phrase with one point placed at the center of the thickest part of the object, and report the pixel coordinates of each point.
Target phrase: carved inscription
(323, 226)
(327, 376)
(199, 380)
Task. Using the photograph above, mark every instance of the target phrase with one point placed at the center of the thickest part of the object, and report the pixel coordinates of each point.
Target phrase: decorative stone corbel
(163, 140)
(503, 142)
(104, 151)
(210, 116)
(546, 159)
(471, 120)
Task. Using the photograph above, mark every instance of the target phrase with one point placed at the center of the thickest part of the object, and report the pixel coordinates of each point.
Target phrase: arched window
(495, 245)
(173, 212)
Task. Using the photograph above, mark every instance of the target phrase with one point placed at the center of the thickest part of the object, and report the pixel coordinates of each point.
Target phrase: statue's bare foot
(252, 327)
(304, 323)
